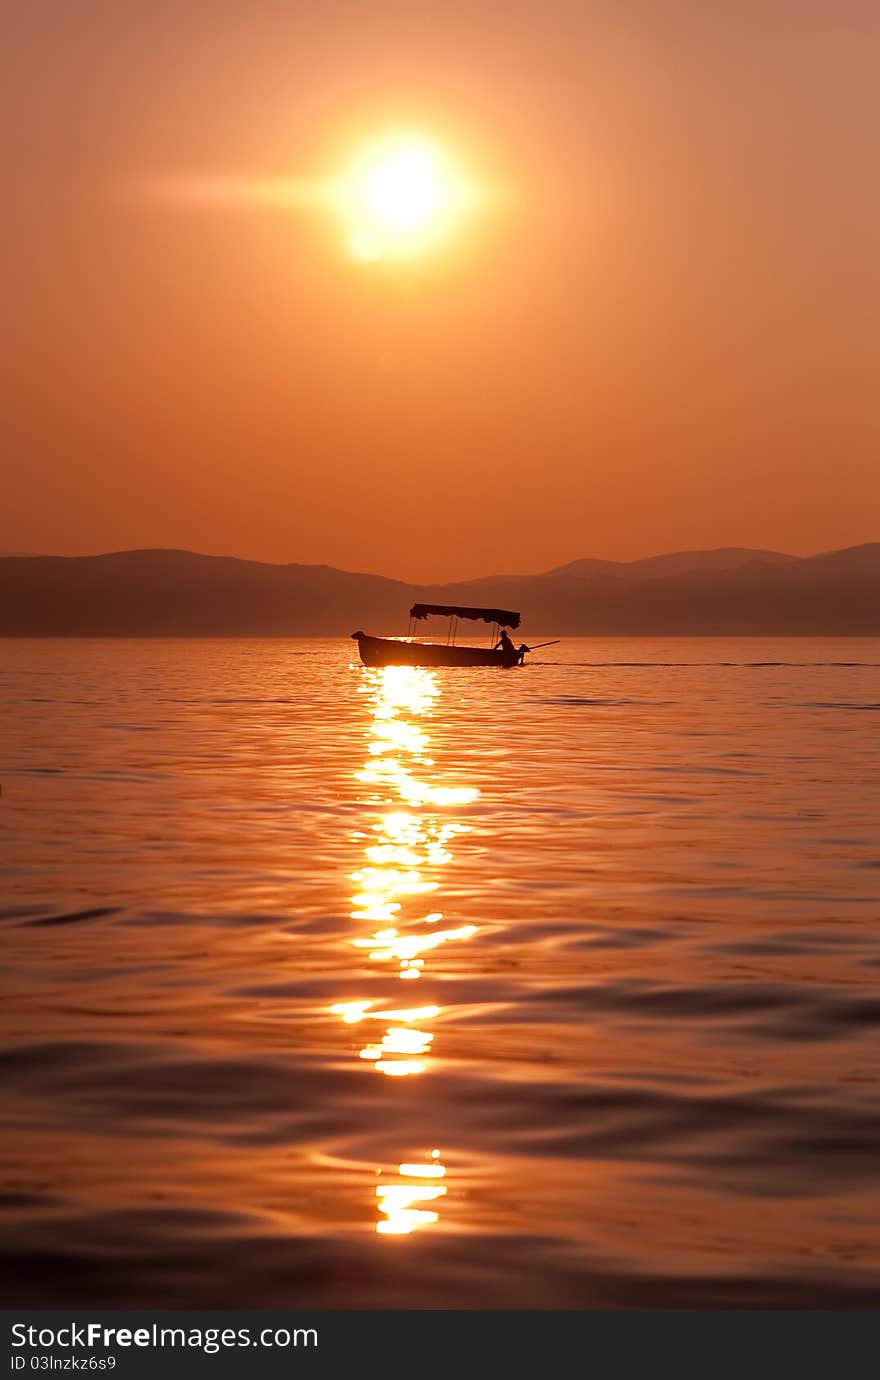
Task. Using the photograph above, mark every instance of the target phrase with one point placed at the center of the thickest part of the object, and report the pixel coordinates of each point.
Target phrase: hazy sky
(660, 331)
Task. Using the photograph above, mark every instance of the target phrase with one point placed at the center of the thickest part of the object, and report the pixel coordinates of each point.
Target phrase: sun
(404, 189)
(401, 196)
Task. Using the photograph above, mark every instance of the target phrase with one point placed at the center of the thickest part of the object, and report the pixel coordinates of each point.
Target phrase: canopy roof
(505, 617)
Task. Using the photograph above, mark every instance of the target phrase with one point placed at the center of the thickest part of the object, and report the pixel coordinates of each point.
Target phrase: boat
(408, 651)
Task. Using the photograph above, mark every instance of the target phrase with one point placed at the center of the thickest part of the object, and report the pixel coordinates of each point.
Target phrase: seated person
(505, 645)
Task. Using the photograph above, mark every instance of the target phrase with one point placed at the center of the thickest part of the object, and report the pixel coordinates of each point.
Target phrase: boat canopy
(506, 618)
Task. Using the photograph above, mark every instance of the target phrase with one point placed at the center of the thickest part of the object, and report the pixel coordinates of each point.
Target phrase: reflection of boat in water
(400, 651)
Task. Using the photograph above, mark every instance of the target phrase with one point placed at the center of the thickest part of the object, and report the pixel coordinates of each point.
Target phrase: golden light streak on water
(422, 1171)
(406, 851)
(397, 1201)
(412, 845)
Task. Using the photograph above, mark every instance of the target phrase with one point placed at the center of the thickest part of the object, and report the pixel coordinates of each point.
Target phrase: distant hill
(673, 563)
(180, 593)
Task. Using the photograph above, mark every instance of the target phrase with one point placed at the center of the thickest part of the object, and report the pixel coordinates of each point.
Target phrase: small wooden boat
(407, 651)
(396, 651)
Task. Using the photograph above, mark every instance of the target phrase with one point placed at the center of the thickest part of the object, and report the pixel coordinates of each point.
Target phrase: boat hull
(388, 651)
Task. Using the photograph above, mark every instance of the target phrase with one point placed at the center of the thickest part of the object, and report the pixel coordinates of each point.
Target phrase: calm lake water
(555, 987)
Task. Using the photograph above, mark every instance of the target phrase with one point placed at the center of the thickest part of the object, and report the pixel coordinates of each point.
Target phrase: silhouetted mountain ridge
(673, 563)
(162, 592)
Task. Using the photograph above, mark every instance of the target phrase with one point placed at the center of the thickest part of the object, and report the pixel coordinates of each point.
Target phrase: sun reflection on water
(410, 842)
(411, 846)
(396, 1200)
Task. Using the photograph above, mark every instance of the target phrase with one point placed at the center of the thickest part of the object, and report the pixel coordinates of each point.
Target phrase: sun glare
(401, 197)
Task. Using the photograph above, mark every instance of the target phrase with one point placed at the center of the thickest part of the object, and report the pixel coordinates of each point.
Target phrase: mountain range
(732, 591)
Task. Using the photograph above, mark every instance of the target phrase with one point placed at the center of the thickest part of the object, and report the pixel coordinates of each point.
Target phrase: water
(329, 987)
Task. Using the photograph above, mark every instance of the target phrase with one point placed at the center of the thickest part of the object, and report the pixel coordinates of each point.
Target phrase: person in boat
(505, 645)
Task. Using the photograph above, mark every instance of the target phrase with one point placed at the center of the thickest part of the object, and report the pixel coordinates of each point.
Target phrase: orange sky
(663, 334)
